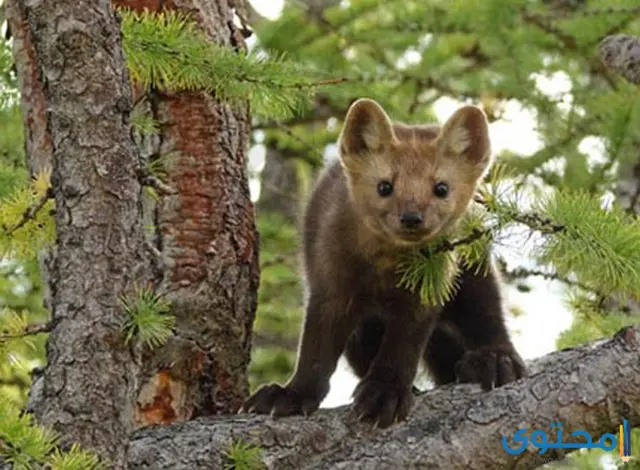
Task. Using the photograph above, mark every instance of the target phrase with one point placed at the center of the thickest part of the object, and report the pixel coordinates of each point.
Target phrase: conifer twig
(531, 219)
(28, 330)
(537, 222)
(147, 179)
(545, 25)
(325, 82)
(31, 212)
(601, 12)
(475, 234)
(519, 273)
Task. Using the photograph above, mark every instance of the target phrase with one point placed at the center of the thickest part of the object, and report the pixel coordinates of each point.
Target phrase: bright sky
(544, 314)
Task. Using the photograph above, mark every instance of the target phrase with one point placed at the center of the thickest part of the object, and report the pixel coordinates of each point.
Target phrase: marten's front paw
(382, 403)
(490, 366)
(277, 400)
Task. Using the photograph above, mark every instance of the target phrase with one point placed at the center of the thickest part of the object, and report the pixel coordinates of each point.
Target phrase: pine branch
(600, 12)
(167, 50)
(601, 248)
(147, 179)
(318, 83)
(31, 212)
(519, 273)
(29, 330)
(545, 24)
(475, 235)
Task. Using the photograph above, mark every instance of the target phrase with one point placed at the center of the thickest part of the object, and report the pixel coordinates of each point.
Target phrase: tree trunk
(280, 191)
(76, 101)
(206, 241)
(592, 387)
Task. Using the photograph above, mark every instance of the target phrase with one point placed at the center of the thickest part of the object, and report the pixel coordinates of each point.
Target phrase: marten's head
(411, 183)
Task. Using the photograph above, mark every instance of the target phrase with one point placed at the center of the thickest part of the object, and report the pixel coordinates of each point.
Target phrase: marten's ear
(367, 129)
(466, 134)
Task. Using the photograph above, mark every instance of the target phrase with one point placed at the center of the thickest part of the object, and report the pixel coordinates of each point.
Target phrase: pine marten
(394, 188)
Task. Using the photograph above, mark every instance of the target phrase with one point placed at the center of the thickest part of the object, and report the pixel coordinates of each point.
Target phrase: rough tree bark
(77, 99)
(592, 387)
(205, 237)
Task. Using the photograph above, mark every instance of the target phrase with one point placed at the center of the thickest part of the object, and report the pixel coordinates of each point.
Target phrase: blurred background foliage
(411, 56)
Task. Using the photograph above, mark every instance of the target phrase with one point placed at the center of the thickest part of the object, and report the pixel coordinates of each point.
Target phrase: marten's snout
(411, 219)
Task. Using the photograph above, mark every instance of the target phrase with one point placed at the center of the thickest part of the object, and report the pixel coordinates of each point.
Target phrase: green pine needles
(602, 247)
(432, 271)
(598, 247)
(244, 456)
(167, 50)
(26, 224)
(147, 317)
(28, 446)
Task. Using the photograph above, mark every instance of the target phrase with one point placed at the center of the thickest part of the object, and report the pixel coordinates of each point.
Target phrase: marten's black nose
(411, 219)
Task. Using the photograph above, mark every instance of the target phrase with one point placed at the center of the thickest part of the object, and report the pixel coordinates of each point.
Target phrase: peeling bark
(76, 101)
(592, 387)
(206, 239)
(38, 145)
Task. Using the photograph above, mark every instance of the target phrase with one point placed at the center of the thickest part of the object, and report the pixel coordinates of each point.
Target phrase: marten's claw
(491, 366)
(276, 400)
(382, 403)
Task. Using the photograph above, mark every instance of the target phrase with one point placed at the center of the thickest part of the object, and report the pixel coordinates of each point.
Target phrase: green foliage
(244, 456)
(23, 443)
(76, 459)
(29, 446)
(147, 317)
(408, 55)
(12, 155)
(26, 225)
(602, 247)
(593, 325)
(142, 122)
(432, 274)
(279, 300)
(169, 51)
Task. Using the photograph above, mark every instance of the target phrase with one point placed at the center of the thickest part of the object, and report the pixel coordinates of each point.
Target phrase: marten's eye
(385, 188)
(441, 189)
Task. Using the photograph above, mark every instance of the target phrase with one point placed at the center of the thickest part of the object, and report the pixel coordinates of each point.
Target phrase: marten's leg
(471, 342)
(363, 344)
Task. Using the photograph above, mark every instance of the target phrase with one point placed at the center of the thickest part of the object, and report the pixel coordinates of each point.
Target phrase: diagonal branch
(592, 388)
(28, 330)
(31, 212)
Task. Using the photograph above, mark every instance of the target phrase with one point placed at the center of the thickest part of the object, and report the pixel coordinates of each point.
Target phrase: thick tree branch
(592, 387)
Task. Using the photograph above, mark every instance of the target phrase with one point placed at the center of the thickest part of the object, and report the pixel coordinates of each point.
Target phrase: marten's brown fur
(395, 187)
